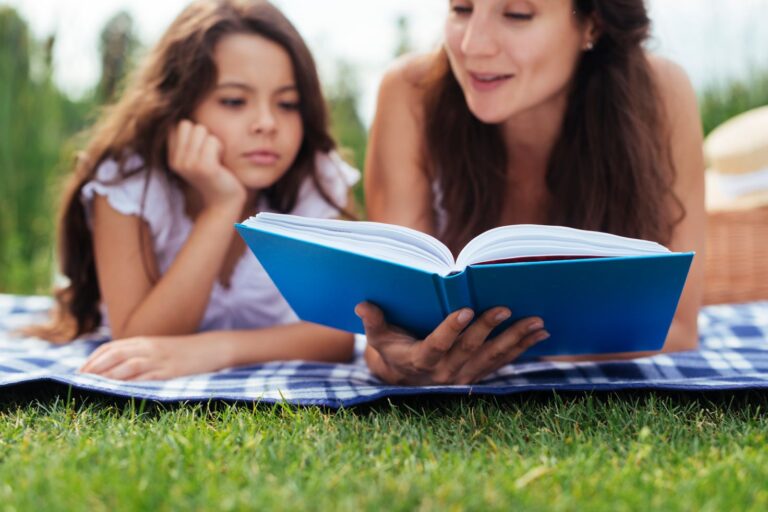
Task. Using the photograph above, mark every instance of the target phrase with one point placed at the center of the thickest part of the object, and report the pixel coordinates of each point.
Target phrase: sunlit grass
(584, 453)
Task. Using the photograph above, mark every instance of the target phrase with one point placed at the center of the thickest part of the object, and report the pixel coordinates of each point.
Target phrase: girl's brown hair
(174, 79)
(610, 169)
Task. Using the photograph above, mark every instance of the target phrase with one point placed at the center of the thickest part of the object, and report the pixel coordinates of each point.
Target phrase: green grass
(722, 101)
(574, 453)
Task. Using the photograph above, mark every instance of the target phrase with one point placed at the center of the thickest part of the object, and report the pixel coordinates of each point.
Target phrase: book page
(378, 240)
(535, 241)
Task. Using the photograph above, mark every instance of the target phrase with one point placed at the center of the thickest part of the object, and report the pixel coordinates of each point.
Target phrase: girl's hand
(452, 354)
(155, 358)
(195, 155)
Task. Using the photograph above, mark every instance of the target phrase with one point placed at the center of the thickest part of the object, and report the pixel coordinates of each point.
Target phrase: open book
(596, 292)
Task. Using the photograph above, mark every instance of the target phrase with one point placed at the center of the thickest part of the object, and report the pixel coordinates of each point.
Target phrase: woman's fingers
(474, 337)
(435, 346)
(376, 327)
(503, 349)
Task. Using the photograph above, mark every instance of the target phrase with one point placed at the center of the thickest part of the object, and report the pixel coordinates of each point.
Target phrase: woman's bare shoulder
(673, 84)
(406, 76)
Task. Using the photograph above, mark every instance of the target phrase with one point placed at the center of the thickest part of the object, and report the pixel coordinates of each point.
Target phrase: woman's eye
(461, 10)
(289, 105)
(232, 102)
(518, 16)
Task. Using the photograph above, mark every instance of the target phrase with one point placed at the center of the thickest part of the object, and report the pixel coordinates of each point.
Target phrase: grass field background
(582, 452)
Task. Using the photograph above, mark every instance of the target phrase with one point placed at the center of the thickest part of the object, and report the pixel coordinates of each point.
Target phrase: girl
(225, 119)
(534, 111)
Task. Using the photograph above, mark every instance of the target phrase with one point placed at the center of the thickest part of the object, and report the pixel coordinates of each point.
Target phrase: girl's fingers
(503, 349)
(150, 375)
(474, 338)
(195, 147)
(434, 347)
(210, 151)
(128, 369)
(107, 356)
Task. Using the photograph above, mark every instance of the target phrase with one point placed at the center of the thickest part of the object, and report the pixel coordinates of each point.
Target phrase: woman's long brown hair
(610, 169)
(174, 79)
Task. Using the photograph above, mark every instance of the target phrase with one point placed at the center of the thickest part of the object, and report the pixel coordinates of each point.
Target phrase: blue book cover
(589, 305)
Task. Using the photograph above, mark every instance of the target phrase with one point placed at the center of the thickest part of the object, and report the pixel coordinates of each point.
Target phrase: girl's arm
(687, 155)
(175, 304)
(166, 357)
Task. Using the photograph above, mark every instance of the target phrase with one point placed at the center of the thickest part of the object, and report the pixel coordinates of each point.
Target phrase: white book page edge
(384, 241)
(527, 240)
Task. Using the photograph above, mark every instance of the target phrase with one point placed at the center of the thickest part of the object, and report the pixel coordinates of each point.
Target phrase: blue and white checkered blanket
(733, 355)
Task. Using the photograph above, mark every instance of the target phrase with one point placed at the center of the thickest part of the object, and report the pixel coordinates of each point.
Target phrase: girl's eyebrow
(248, 88)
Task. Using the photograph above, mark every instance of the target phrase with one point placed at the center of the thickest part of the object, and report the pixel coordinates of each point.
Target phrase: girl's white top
(251, 300)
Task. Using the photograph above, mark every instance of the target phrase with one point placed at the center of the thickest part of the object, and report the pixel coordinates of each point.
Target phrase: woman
(534, 111)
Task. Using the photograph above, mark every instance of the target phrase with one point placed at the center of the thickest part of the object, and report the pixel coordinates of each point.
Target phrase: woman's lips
(262, 157)
(485, 82)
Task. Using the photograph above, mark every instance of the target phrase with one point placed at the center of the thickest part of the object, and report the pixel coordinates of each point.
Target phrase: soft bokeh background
(60, 60)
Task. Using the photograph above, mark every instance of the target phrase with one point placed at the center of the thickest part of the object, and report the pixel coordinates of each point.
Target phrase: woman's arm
(687, 156)
(397, 188)
(167, 357)
(398, 191)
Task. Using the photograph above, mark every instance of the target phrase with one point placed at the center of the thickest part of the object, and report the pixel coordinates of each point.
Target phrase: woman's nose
(479, 40)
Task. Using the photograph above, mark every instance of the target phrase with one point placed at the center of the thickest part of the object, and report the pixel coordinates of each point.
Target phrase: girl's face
(511, 56)
(253, 109)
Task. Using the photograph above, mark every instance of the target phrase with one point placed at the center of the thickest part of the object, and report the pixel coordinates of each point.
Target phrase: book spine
(454, 292)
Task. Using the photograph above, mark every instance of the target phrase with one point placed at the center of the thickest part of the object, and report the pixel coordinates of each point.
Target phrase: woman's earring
(589, 46)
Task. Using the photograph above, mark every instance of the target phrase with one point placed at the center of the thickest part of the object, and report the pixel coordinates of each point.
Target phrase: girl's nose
(264, 122)
(479, 40)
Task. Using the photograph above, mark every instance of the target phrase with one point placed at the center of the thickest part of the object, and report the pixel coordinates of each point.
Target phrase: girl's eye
(232, 102)
(518, 16)
(289, 105)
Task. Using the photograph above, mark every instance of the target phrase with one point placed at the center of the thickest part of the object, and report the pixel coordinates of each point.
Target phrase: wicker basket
(737, 256)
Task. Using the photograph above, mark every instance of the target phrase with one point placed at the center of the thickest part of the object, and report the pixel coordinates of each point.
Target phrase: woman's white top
(251, 300)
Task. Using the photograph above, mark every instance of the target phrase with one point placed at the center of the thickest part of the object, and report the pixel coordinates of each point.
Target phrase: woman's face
(512, 56)
(253, 109)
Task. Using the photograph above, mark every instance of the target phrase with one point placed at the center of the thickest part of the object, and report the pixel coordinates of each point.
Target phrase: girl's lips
(262, 157)
(485, 82)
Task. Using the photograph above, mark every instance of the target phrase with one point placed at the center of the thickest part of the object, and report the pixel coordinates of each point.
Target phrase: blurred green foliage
(37, 122)
(343, 96)
(720, 102)
(118, 46)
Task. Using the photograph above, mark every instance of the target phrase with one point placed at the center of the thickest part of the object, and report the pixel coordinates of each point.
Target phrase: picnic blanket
(733, 356)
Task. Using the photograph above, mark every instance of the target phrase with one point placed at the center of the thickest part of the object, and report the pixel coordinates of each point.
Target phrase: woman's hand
(195, 155)
(452, 354)
(156, 358)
